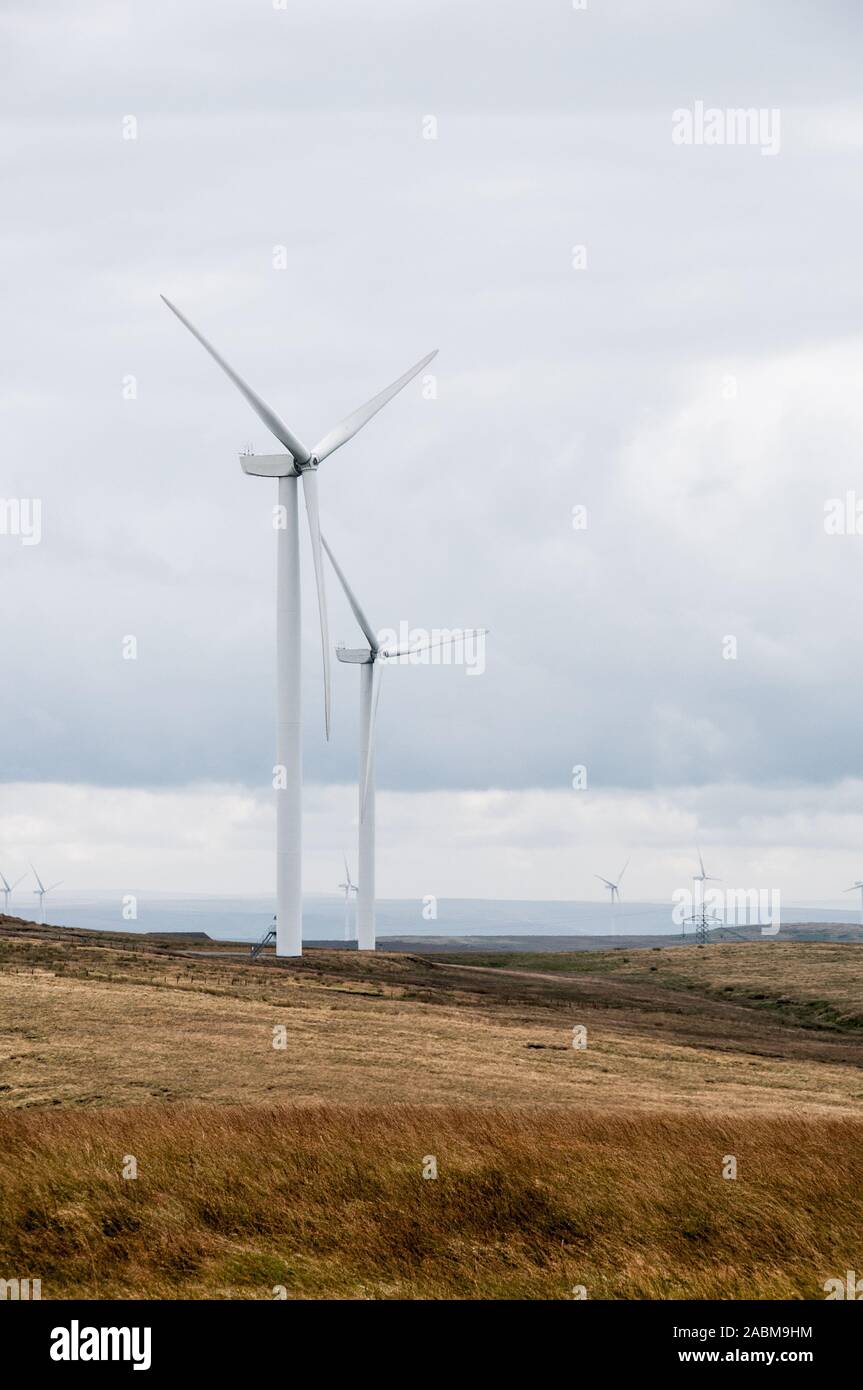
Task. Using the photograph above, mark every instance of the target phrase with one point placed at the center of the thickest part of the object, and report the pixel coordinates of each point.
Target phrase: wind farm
(294, 465)
(515, 960)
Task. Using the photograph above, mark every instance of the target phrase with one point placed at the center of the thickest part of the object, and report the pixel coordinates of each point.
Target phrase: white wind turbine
(368, 660)
(8, 888)
(857, 888)
(349, 887)
(41, 891)
(704, 876)
(613, 888)
(288, 467)
(699, 910)
(614, 893)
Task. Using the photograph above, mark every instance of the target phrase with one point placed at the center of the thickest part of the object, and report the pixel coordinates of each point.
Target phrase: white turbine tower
(349, 887)
(8, 888)
(368, 660)
(289, 467)
(857, 888)
(41, 891)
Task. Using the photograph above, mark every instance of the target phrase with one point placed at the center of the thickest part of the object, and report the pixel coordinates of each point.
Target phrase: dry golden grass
(89, 1021)
(810, 982)
(557, 1166)
(330, 1202)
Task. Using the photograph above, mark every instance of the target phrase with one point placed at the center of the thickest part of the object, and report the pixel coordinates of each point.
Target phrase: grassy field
(557, 1166)
(332, 1202)
(817, 984)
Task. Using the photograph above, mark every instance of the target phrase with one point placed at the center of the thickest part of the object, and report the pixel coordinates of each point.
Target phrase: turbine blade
(368, 630)
(58, 884)
(310, 493)
(353, 423)
(347, 872)
(377, 673)
(264, 412)
(701, 862)
(622, 872)
(17, 881)
(440, 642)
(38, 880)
(606, 881)
(5, 887)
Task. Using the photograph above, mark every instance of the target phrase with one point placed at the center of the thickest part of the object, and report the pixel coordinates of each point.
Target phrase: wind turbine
(297, 462)
(857, 888)
(370, 691)
(350, 887)
(614, 892)
(703, 877)
(7, 888)
(699, 915)
(613, 888)
(41, 891)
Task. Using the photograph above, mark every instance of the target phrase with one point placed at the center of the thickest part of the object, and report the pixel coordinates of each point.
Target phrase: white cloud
(532, 844)
(556, 388)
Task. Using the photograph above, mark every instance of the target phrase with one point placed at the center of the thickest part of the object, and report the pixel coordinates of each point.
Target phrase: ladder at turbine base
(265, 940)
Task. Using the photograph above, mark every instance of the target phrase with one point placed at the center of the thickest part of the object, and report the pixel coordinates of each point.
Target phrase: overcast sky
(695, 386)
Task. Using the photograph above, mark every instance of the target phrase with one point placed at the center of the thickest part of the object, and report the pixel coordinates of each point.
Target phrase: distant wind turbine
(699, 910)
(350, 887)
(857, 888)
(703, 877)
(7, 889)
(370, 690)
(295, 463)
(41, 891)
(613, 888)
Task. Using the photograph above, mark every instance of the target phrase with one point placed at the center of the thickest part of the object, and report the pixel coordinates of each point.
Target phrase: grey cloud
(259, 128)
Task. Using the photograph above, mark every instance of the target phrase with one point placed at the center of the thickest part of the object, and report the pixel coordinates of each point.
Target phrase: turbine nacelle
(268, 465)
(275, 465)
(355, 656)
